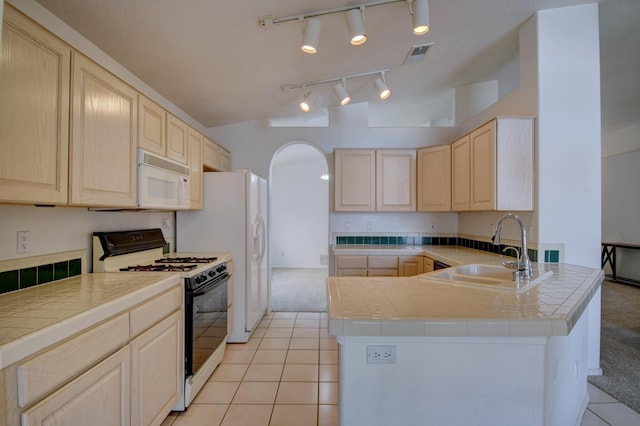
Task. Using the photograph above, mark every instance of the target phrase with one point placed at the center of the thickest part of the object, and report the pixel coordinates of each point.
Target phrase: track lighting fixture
(420, 12)
(305, 103)
(382, 88)
(340, 91)
(311, 35)
(355, 24)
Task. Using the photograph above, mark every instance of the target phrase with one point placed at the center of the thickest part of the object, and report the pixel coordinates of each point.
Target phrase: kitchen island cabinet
(106, 350)
(463, 354)
(34, 113)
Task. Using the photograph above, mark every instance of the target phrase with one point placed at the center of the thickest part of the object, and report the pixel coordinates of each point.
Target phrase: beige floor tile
(304, 343)
(328, 356)
(280, 323)
(294, 415)
(324, 323)
(170, 419)
(278, 332)
(297, 393)
(258, 332)
(229, 373)
(328, 393)
(328, 415)
(264, 373)
(216, 393)
(251, 344)
(256, 393)
(309, 333)
(239, 356)
(270, 356)
(307, 323)
(275, 343)
(295, 356)
(328, 373)
(201, 414)
(308, 315)
(328, 344)
(246, 415)
(300, 373)
(285, 315)
(324, 334)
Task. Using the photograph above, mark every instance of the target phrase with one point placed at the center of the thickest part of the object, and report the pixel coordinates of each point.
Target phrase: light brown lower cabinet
(381, 266)
(410, 266)
(427, 265)
(123, 371)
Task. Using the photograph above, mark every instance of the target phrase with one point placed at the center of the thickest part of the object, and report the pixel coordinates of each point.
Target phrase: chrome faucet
(522, 265)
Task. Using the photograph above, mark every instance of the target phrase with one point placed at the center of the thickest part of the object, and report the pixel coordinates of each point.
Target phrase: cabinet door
(434, 179)
(196, 145)
(99, 397)
(103, 137)
(427, 265)
(355, 176)
(382, 272)
(34, 113)
(483, 167)
(224, 160)
(177, 136)
(460, 174)
(151, 126)
(156, 379)
(351, 273)
(396, 180)
(410, 266)
(210, 159)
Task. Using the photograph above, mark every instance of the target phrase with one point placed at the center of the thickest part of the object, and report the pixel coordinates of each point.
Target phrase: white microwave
(162, 183)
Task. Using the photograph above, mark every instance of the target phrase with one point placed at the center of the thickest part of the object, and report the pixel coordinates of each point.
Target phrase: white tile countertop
(423, 306)
(40, 316)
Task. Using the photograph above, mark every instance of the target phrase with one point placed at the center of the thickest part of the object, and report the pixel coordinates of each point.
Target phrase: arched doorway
(299, 240)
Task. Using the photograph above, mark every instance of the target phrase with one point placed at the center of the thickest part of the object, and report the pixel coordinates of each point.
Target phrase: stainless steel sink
(493, 277)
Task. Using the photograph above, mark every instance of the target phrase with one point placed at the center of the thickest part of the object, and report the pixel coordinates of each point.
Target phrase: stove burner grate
(159, 268)
(188, 259)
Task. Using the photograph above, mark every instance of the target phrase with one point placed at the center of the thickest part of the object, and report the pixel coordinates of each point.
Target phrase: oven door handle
(209, 286)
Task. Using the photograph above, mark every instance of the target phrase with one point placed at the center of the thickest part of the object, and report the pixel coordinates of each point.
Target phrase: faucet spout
(523, 264)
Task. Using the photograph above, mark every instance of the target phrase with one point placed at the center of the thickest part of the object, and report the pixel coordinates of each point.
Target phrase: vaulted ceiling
(215, 61)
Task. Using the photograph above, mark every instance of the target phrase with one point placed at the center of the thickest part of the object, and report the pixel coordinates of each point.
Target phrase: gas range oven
(206, 300)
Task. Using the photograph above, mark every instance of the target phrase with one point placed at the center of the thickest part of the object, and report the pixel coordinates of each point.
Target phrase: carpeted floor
(620, 344)
(299, 289)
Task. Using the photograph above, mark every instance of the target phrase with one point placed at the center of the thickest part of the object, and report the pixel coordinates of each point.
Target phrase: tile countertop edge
(29, 344)
(340, 324)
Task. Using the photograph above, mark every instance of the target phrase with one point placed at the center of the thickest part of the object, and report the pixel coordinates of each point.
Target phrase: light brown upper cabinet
(355, 180)
(434, 179)
(396, 180)
(177, 136)
(103, 137)
(34, 113)
(500, 172)
(460, 174)
(375, 180)
(216, 158)
(152, 125)
(196, 152)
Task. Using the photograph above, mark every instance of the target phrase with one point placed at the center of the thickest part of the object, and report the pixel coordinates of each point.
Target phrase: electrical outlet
(381, 354)
(24, 242)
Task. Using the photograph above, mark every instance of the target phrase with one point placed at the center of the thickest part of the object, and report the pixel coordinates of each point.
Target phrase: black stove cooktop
(188, 259)
(159, 268)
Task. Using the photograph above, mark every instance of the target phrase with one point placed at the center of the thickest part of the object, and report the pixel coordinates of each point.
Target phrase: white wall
(299, 218)
(58, 229)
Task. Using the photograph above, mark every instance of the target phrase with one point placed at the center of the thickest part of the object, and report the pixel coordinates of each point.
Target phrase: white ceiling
(217, 63)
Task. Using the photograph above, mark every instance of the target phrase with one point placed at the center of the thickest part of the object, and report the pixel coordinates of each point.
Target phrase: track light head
(311, 35)
(305, 103)
(341, 92)
(420, 17)
(383, 90)
(355, 24)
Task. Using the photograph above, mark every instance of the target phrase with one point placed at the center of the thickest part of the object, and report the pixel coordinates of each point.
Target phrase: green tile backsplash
(550, 256)
(28, 277)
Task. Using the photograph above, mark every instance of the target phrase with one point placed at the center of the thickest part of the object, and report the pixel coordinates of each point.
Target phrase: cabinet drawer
(351, 262)
(383, 262)
(382, 273)
(427, 264)
(99, 397)
(49, 370)
(352, 273)
(143, 317)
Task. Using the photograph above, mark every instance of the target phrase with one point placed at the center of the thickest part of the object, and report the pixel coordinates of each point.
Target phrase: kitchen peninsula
(418, 350)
